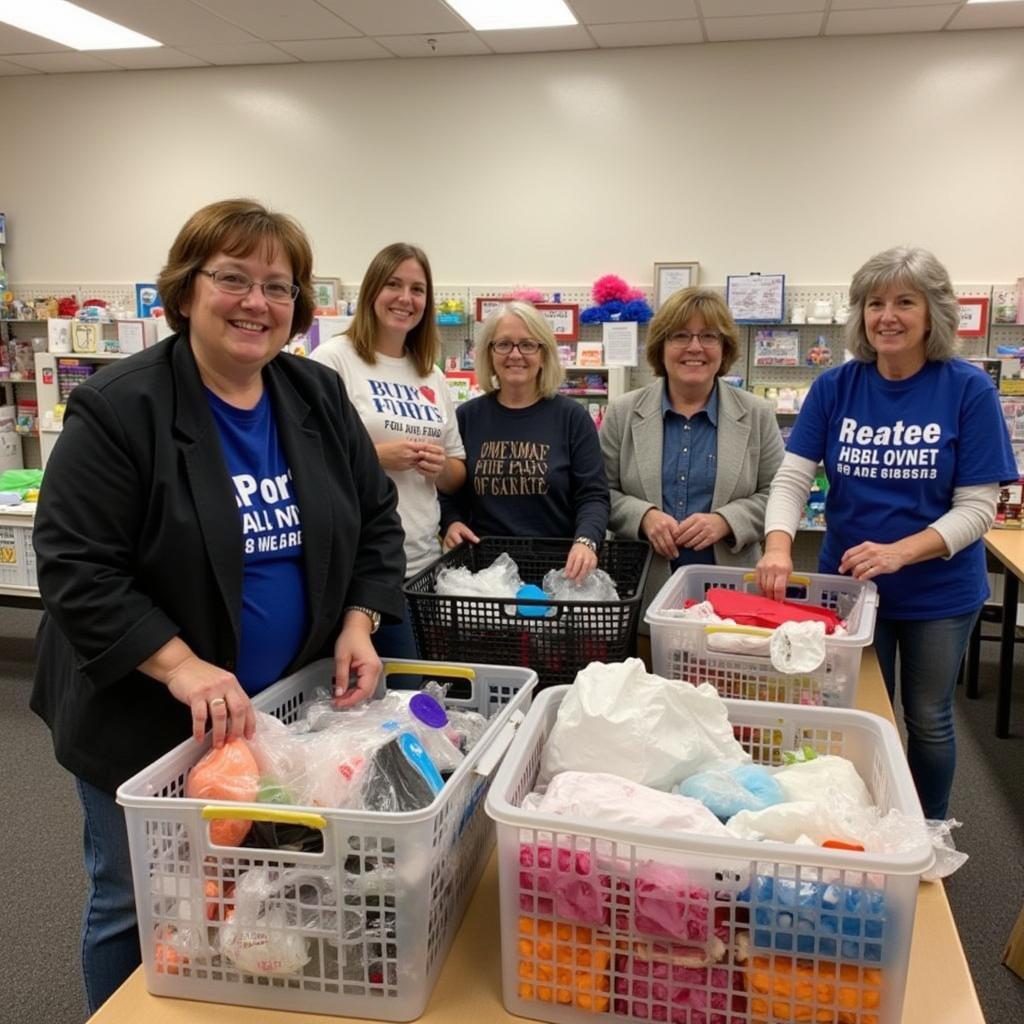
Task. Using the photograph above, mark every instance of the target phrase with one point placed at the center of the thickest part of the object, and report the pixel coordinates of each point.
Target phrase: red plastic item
(754, 610)
(838, 844)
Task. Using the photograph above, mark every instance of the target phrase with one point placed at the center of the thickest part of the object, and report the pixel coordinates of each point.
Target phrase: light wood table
(939, 986)
(1008, 547)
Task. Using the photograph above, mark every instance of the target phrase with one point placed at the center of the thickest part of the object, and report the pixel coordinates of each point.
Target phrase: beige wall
(800, 156)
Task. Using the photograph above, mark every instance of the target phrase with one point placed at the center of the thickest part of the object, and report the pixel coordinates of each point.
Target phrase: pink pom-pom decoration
(526, 295)
(610, 287)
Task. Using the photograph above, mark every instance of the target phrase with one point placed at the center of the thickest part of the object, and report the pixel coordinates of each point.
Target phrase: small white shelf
(100, 357)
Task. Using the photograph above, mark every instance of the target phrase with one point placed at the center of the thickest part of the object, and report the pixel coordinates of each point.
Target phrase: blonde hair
(551, 372)
(677, 311)
(423, 342)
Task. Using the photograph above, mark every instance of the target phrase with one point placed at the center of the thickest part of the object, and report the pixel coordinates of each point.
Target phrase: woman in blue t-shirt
(914, 446)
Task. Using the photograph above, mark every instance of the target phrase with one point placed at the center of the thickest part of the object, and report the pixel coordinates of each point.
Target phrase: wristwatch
(586, 542)
(373, 616)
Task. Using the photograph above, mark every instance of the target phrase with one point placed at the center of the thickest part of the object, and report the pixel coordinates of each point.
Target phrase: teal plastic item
(531, 592)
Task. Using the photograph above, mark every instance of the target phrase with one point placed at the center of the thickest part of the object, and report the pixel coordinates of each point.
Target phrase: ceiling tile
(778, 26)
(274, 20)
(61, 63)
(13, 40)
(860, 5)
(7, 68)
(149, 57)
(172, 22)
(537, 40)
(446, 44)
(895, 19)
(648, 33)
(240, 53)
(397, 17)
(990, 16)
(752, 8)
(314, 50)
(608, 12)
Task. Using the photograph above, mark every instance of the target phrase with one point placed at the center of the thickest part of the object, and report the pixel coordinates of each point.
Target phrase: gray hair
(917, 269)
(551, 372)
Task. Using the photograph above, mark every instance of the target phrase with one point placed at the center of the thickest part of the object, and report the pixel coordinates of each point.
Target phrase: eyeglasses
(234, 283)
(707, 339)
(527, 347)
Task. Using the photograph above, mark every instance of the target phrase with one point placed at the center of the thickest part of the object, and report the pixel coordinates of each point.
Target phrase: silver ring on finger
(216, 701)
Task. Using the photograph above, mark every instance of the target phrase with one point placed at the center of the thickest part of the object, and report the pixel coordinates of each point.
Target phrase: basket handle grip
(497, 747)
(803, 581)
(742, 630)
(421, 668)
(261, 812)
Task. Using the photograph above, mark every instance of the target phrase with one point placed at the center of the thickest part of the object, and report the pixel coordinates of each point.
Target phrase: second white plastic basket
(685, 649)
(372, 914)
(656, 926)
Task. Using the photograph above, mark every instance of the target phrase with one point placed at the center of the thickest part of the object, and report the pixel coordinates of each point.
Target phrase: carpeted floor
(42, 883)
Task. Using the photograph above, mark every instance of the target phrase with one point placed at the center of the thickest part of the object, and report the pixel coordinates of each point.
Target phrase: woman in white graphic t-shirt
(387, 359)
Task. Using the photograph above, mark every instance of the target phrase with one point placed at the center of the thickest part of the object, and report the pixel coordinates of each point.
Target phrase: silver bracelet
(586, 542)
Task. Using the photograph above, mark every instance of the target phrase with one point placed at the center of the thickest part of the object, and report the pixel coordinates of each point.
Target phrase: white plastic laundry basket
(685, 649)
(641, 925)
(375, 912)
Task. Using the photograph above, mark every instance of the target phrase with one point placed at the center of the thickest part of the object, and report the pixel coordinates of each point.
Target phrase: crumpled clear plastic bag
(272, 908)
(500, 579)
(597, 585)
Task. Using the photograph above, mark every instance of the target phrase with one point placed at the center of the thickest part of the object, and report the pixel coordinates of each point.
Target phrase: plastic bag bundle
(272, 910)
(621, 719)
(500, 579)
(597, 585)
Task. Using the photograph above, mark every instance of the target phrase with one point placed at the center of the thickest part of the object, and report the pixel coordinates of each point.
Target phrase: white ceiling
(199, 33)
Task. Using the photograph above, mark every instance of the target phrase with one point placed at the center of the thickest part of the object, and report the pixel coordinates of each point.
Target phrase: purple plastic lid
(428, 711)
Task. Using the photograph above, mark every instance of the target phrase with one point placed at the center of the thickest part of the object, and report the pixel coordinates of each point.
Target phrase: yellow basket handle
(419, 668)
(743, 630)
(804, 581)
(262, 812)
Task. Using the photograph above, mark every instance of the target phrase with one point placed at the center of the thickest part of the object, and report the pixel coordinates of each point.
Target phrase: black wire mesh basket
(554, 638)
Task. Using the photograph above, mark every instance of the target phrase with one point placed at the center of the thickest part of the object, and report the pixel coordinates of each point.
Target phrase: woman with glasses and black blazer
(690, 458)
(532, 456)
(213, 517)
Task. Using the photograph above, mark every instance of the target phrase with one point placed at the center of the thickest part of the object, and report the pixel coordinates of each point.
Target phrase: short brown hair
(423, 342)
(677, 311)
(235, 227)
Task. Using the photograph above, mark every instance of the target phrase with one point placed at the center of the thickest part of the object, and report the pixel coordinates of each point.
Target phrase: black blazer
(138, 539)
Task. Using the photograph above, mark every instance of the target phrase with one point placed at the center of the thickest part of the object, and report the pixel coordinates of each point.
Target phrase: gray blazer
(750, 450)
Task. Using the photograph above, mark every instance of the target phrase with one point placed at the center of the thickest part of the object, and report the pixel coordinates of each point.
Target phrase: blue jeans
(110, 935)
(930, 653)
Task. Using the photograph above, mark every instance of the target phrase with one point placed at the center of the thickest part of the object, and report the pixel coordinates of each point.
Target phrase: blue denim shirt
(689, 464)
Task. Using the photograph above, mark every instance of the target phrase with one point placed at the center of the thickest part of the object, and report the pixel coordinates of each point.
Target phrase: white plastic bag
(621, 719)
(595, 586)
(500, 579)
(798, 646)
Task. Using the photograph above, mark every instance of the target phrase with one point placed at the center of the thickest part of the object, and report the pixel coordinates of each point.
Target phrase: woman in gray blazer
(690, 458)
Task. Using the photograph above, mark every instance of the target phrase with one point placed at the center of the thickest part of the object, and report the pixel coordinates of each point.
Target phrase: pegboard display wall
(112, 294)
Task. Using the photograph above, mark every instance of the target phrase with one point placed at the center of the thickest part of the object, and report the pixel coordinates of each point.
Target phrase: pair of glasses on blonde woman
(707, 339)
(527, 347)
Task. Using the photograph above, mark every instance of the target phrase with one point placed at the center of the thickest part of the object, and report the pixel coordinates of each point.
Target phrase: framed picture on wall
(973, 316)
(486, 306)
(670, 278)
(327, 292)
(564, 318)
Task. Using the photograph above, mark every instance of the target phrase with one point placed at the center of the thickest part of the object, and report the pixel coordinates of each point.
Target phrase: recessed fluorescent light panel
(991, 1)
(487, 15)
(70, 25)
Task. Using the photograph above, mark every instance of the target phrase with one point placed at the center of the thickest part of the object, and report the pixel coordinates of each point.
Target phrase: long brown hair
(423, 342)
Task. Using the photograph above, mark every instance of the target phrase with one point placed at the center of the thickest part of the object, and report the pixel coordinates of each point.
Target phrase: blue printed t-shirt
(274, 611)
(689, 467)
(894, 451)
